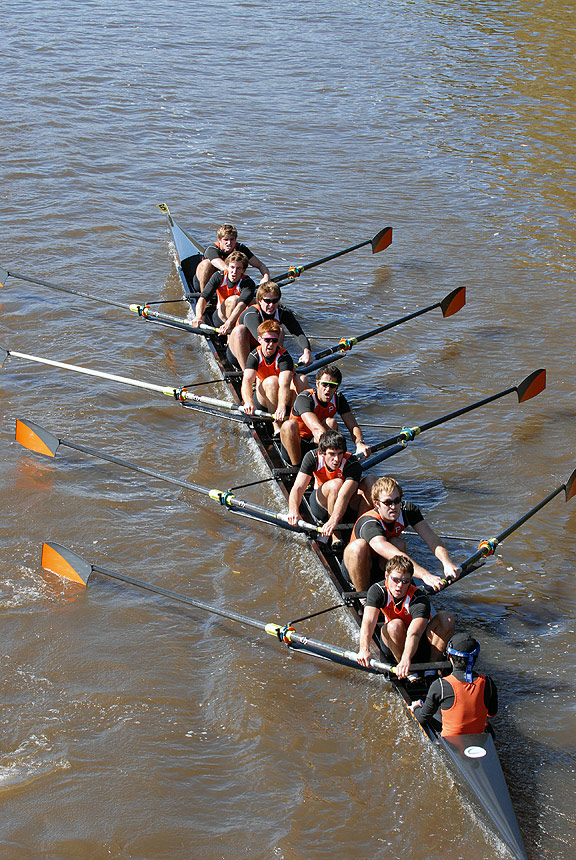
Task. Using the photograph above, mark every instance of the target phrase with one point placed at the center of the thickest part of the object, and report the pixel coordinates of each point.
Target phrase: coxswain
(340, 493)
(215, 255)
(314, 411)
(408, 633)
(244, 338)
(465, 699)
(268, 377)
(376, 538)
(233, 291)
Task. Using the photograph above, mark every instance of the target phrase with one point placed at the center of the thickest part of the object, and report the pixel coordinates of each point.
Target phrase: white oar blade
(63, 562)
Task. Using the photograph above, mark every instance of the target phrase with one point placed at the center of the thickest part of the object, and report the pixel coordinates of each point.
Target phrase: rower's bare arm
(314, 424)
(356, 433)
(284, 395)
(385, 549)
(264, 270)
(296, 496)
(231, 320)
(247, 390)
(306, 357)
(434, 543)
(199, 311)
(414, 633)
(369, 619)
(347, 490)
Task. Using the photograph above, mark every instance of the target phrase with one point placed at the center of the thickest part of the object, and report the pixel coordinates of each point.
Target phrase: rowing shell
(473, 758)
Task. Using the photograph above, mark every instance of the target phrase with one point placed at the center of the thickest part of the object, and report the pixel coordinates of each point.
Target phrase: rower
(244, 338)
(376, 538)
(268, 377)
(409, 632)
(233, 291)
(314, 412)
(216, 253)
(339, 492)
(465, 699)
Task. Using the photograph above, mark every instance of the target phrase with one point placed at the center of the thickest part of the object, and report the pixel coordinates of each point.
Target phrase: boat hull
(480, 771)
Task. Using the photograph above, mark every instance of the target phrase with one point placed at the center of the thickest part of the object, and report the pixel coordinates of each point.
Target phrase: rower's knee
(204, 271)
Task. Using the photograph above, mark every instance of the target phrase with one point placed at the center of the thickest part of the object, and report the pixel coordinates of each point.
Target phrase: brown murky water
(134, 729)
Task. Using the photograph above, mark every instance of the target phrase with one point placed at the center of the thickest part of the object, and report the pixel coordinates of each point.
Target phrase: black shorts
(322, 515)
(422, 654)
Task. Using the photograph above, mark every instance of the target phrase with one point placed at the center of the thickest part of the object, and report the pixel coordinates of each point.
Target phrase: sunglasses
(399, 579)
(270, 339)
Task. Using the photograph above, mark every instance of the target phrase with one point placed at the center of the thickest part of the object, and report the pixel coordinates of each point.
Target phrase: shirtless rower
(233, 291)
(244, 338)
(376, 538)
(409, 632)
(465, 698)
(338, 484)
(267, 382)
(216, 253)
(314, 412)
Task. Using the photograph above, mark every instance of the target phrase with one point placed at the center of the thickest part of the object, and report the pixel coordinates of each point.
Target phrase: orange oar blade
(62, 561)
(571, 486)
(36, 438)
(532, 385)
(453, 302)
(382, 240)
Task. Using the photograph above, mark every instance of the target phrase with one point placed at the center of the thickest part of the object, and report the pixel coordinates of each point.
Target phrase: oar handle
(147, 313)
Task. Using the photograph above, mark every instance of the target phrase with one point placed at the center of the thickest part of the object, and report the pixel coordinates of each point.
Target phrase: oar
(180, 394)
(528, 388)
(488, 547)
(5, 274)
(42, 441)
(449, 305)
(67, 564)
(143, 311)
(379, 242)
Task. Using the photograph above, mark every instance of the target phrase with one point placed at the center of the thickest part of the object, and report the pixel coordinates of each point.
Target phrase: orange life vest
(468, 714)
(225, 290)
(321, 410)
(264, 369)
(391, 611)
(391, 529)
(323, 474)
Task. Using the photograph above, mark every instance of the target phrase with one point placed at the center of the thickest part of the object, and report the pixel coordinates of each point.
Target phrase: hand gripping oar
(42, 441)
(488, 547)
(180, 394)
(143, 311)
(379, 242)
(528, 388)
(65, 563)
(449, 305)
